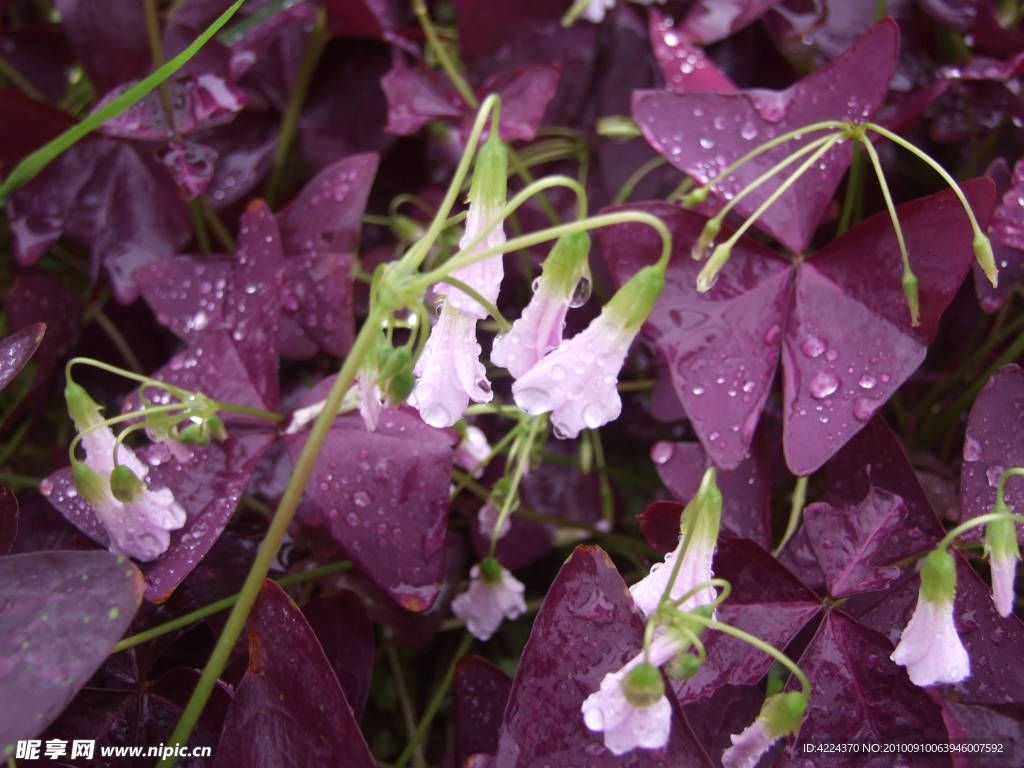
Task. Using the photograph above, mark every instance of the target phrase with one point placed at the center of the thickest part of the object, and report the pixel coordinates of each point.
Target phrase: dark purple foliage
(289, 707)
(108, 37)
(1007, 257)
(28, 125)
(8, 519)
(49, 598)
(685, 67)
(40, 300)
(587, 627)
(481, 693)
(345, 633)
(17, 349)
(702, 133)
(839, 321)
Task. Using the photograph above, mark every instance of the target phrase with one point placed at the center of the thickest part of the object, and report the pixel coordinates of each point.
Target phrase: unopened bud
(983, 253)
(783, 713)
(617, 127)
(706, 239)
(714, 265)
(695, 197)
(910, 290)
(194, 434)
(124, 484)
(490, 571)
(83, 409)
(644, 685)
(684, 666)
(90, 484)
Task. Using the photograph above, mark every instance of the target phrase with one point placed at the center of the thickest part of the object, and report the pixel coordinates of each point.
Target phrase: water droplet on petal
(823, 385)
(813, 346)
(662, 452)
(972, 449)
(993, 474)
(867, 382)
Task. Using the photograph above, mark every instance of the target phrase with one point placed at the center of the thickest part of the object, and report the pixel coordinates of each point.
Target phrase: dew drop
(581, 294)
(972, 449)
(352, 518)
(361, 498)
(867, 382)
(813, 346)
(993, 474)
(662, 452)
(594, 415)
(823, 385)
(532, 400)
(864, 409)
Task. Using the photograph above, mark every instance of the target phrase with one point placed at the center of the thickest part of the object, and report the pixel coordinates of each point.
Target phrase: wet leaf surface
(48, 597)
(18, 348)
(1008, 259)
(345, 633)
(8, 519)
(481, 693)
(39, 299)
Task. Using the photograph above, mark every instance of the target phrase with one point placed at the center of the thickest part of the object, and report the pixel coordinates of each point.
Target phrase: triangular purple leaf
(481, 693)
(109, 38)
(1009, 260)
(684, 66)
(847, 541)
(289, 707)
(766, 601)
(39, 298)
(345, 633)
(244, 152)
(586, 628)
(49, 597)
(708, 21)
(8, 519)
(17, 349)
(702, 133)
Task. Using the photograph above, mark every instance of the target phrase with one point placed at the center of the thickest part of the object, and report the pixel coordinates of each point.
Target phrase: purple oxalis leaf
(1008, 220)
(708, 21)
(49, 597)
(1008, 258)
(103, 193)
(746, 490)
(481, 693)
(289, 708)
(39, 298)
(848, 539)
(244, 150)
(659, 525)
(958, 15)
(375, 19)
(345, 633)
(109, 38)
(995, 645)
(28, 124)
(484, 27)
(858, 693)
(766, 601)
(586, 628)
(702, 133)
(684, 66)
(383, 496)
(17, 349)
(8, 519)
(992, 444)
(722, 347)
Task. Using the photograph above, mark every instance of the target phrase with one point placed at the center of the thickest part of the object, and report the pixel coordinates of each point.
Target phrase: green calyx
(684, 666)
(92, 486)
(714, 264)
(490, 571)
(1001, 537)
(938, 577)
(983, 253)
(703, 514)
(910, 290)
(83, 409)
(783, 713)
(618, 127)
(632, 304)
(643, 686)
(566, 266)
(706, 239)
(125, 485)
(489, 187)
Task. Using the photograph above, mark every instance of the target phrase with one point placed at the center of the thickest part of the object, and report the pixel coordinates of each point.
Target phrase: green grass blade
(28, 168)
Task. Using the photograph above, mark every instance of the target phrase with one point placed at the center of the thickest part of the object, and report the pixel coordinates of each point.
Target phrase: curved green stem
(245, 410)
(722, 596)
(423, 16)
(975, 522)
(271, 543)
(118, 420)
(626, 190)
(479, 299)
(497, 449)
(795, 513)
(517, 476)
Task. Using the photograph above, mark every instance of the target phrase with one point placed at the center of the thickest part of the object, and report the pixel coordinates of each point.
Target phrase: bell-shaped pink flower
(494, 594)
(472, 450)
(781, 714)
(695, 569)
(533, 335)
(1004, 573)
(577, 383)
(371, 403)
(748, 747)
(930, 647)
(485, 276)
(626, 726)
(139, 528)
(449, 372)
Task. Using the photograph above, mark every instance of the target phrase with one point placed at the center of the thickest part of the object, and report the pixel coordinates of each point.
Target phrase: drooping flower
(472, 450)
(595, 9)
(539, 330)
(138, 519)
(449, 373)
(780, 715)
(704, 513)
(930, 647)
(488, 517)
(494, 594)
(1003, 552)
(630, 708)
(577, 383)
(487, 197)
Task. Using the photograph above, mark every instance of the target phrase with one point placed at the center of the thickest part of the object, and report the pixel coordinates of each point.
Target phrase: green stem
(497, 449)
(890, 206)
(318, 39)
(517, 476)
(520, 168)
(247, 411)
(156, 50)
(19, 81)
(222, 605)
(626, 190)
(607, 501)
(854, 189)
(278, 528)
(202, 234)
(443, 58)
(479, 299)
(435, 702)
(980, 520)
(213, 221)
(796, 510)
(93, 312)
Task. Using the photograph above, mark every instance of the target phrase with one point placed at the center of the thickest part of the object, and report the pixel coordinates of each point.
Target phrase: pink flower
(449, 372)
(626, 726)
(533, 335)
(1004, 573)
(749, 746)
(577, 382)
(695, 569)
(495, 596)
(484, 276)
(139, 528)
(472, 450)
(930, 646)
(371, 403)
(487, 518)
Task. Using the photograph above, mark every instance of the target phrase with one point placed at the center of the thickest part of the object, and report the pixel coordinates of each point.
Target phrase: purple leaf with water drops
(840, 318)
(186, 293)
(1007, 225)
(345, 633)
(41, 299)
(874, 459)
(994, 442)
(708, 21)
(49, 597)
(766, 601)
(8, 519)
(847, 541)
(18, 348)
(289, 708)
(481, 693)
(684, 66)
(967, 721)
(995, 645)
(192, 165)
(103, 193)
(197, 104)
(383, 496)
(244, 152)
(857, 693)
(586, 628)
(702, 133)
(993, 39)
(955, 14)
(109, 38)
(746, 490)
(1008, 258)
(374, 19)
(659, 525)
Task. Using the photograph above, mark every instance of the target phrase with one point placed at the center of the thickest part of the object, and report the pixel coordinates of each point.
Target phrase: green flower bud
(91, 484)
(617, 127)
(695, 197)
(714, 265)
(983, 253)
(643, 686)
(938, 577)
(82, 408)
(706, 239)
(125, 486)
(194, 434)
(633, 302)
(684, 666)
(783, 713)
(910, 290)
(490, 571)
